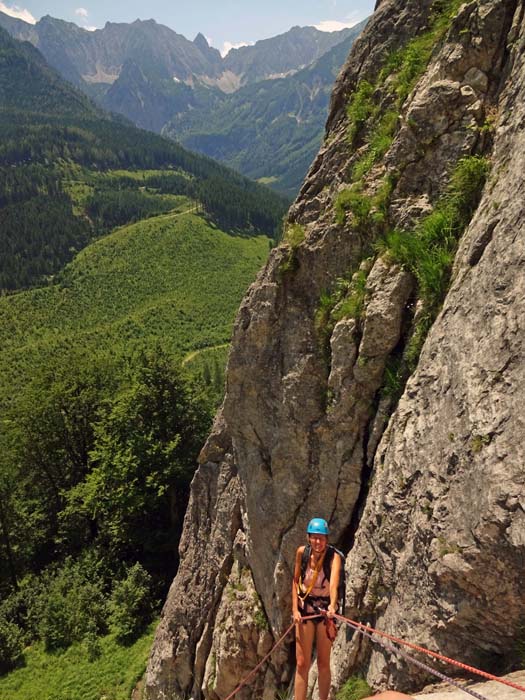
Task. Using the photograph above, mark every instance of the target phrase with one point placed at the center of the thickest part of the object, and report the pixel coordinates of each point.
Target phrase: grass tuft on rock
(368, 212)
(345, 300)
(399, 75)
(360, 108)
(355, 688)
(428, 250)
(294, 235)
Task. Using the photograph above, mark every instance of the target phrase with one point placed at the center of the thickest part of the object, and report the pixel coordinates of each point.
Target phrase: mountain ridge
(165, 83)
(268, 130)
(102, 51)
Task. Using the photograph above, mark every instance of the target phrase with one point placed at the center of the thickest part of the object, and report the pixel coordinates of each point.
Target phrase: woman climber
(315, 592)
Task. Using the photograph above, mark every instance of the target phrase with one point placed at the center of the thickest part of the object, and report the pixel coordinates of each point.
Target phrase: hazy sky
(223, 22)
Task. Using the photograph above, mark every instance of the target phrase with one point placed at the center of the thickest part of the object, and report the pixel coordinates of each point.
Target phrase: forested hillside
(123, 255)
(47, 128)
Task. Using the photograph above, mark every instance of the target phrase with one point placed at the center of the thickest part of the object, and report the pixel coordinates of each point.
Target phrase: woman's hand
(331, 611)
(297, 617)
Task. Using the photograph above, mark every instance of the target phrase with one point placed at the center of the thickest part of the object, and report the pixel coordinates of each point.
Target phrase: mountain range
(260, 109)
(53, 198)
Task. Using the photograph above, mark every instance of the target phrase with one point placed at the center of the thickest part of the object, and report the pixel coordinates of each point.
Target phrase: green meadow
(71, 675)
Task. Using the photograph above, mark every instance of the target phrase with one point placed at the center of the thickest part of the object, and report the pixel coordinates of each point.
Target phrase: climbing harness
(327, 568)
(368, 631)
(303, 595)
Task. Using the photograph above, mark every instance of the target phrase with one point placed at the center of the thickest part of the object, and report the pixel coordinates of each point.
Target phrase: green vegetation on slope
(45, 220)
(72, 675)
(428, 249)
(403, 68)
(100, 428)
(97, 454)
(209, 364)
(172, 279)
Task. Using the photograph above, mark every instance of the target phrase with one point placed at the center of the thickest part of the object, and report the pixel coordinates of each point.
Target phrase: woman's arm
(295, 583)
(335, 574)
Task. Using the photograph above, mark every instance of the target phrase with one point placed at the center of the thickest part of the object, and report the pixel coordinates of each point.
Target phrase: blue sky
(224, 22)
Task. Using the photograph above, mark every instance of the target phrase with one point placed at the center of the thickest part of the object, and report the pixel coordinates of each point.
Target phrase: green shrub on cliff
(428, 250)
(368, 212)
(359, 109)
(355, 688)
(397, 78)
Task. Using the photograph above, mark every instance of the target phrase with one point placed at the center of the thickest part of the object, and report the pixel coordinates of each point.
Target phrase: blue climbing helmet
(317, 526)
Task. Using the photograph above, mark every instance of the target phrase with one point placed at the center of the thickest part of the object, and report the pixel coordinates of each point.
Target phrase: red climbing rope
(399, 652)
(472, 669)
(368, 631)
(254, 671)
(277, 643)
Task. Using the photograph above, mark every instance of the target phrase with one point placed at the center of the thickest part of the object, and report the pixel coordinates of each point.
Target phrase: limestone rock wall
(435, 505)
(440, 550)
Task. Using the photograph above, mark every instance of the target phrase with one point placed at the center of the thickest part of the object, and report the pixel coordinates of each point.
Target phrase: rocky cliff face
(427, 490)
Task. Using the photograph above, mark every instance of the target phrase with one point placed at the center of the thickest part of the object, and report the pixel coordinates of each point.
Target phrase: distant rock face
(268, 128)
(99, 56)
(433, 505)
(282, 54)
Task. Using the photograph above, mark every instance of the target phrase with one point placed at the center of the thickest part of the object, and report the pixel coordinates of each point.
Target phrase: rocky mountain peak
(212, 54)
(376, 376)
(201, 41)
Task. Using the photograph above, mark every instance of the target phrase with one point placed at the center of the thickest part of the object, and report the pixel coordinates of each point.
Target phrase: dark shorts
(313, 606)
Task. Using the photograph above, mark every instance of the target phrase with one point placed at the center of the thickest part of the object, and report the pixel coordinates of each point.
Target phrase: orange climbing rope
(368, 631)
(254, 671)
(472, 669)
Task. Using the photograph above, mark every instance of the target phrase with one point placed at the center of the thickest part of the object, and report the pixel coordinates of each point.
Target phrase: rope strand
(410, 659)
(434, 654)
(368, 631)
(254, 671)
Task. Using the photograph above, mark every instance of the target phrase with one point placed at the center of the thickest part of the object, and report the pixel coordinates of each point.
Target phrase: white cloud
(332, 25)
(228, 46)
(84, 14)
(17, 12)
